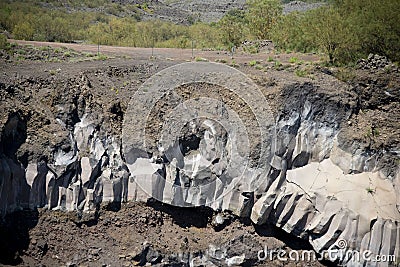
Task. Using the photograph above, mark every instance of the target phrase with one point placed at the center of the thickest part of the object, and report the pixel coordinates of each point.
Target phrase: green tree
(148, 35)
(23, 31)
(331, 33)
(232, 27)
(262, 15)
(205, 35)
(375, 24)
(3, 41)
(290, 33)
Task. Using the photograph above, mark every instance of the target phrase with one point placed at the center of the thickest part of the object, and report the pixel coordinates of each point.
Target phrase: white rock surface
(304, 180)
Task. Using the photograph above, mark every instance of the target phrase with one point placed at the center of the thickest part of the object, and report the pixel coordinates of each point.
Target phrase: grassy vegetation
(253, 63)
(370, 190)
(20, 53)
(115, 25)
(344, 30)
(200, 59)
(3, 41)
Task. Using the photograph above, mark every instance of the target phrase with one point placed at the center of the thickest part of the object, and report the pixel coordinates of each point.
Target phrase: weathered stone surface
(374, 62)
(297, 174)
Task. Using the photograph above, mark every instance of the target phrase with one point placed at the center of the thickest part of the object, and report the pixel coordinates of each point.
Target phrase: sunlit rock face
(200, 141)
(293, 168)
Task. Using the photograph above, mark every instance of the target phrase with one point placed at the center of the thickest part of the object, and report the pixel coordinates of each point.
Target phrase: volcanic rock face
(204, 145)
(300, 6)
(206, 11)
(205, 138)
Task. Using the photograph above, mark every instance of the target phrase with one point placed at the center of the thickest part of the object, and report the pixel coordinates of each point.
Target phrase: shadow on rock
(14, 233)
(291, 241)
(184, 216)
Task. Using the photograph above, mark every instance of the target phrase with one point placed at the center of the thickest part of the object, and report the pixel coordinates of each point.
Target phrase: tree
(23, 31)
(262, 16)
(330, 32)
(205, 35)
(232, 27)
(3, 41)
(290, 33)
(375, 24)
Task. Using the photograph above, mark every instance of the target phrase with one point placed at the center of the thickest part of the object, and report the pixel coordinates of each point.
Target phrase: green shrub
(370, 190)
(233, 28)
(21, 51)
(23, 31)
(259, 67)
(301, 73)
(200, 59)
(3, 41)
(262, 15)
(224, 61)
(293, 60)
(101, 57)
(234, 64)
(45, 48)
(344, 30)
(278, 65)
(253, 49)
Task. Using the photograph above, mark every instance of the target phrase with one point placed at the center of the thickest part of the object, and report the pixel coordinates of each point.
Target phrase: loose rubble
(374, 62)
(260, 46)
(300, 6)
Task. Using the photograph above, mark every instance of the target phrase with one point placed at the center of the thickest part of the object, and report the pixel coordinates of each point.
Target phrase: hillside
(212, 11)
(181, 12)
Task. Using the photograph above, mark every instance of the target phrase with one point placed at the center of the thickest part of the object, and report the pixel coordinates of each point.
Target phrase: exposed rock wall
(313, 185)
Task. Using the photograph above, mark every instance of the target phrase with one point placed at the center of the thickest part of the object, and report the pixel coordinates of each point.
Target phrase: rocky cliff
(318, 158)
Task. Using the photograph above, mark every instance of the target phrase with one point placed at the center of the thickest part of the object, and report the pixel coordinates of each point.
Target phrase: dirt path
(173, 53)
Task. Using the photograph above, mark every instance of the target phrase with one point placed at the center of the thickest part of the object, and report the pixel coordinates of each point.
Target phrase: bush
(23, 31)
(252, 49)
(200, 59)
(205, 35)
(375, 25)
(345, 30)
(253, 63)
(262, 15)
(3, 41)
(233, 28)
(300, 73)
(293, 60)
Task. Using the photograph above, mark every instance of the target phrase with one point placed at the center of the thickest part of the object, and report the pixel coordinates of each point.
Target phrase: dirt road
(174, 53)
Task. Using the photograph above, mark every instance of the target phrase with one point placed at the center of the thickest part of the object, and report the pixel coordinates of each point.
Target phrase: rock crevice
(314, 185)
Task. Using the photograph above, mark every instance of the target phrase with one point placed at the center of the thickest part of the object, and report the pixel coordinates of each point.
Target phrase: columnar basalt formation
(204, 137)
